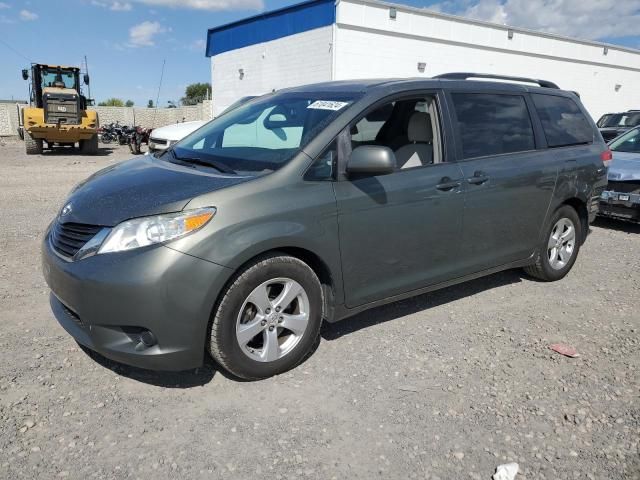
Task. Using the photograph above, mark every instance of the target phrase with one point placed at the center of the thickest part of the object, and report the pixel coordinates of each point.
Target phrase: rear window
(562, 120)
(492, 124)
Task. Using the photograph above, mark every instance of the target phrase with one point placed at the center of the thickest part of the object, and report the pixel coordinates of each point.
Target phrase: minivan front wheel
(268, 319)
(560, 246)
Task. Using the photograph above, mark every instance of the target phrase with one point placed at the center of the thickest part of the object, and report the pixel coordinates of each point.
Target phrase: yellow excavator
(57, 114)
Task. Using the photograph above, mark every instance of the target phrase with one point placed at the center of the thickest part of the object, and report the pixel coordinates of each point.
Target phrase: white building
(322, 40)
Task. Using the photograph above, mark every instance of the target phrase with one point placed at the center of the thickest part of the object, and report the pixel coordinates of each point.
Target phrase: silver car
(621, 199)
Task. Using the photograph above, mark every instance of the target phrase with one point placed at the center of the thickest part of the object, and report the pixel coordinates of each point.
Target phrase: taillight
(606, 157)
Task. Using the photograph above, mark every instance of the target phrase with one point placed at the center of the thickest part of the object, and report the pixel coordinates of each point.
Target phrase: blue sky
(127, 40)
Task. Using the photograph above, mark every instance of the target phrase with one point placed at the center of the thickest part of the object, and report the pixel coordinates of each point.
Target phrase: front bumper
(106, 302)
(62, 133)
(159, 145)
(620, 205)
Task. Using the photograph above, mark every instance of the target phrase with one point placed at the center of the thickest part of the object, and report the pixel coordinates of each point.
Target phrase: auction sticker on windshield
(327, 105)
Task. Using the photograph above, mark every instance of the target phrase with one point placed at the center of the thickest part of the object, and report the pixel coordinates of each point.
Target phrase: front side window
(262, 135)
(563, 122)
(629, 142)
(493, 124)
(409, 127)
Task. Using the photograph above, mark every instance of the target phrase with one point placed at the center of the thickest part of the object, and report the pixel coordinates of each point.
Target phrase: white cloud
(142, 35)
(199, 44)
(120, 6)
(4, 5)
(114, 5)
(28, 16)
(208, 4)
(591, 19)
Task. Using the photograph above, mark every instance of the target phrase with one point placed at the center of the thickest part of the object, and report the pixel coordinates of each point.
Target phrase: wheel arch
(580, 206)
(328, 278)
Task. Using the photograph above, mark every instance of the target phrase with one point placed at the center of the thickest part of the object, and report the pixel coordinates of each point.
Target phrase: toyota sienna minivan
(317, 202)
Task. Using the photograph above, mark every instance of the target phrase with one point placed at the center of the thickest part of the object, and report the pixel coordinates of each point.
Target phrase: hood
(177, 131)
(625, 167)
(140, 187)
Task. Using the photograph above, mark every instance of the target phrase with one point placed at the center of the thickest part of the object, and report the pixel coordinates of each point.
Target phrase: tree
(195, 93)
(129, 103)
(150, 104)
(112, 102)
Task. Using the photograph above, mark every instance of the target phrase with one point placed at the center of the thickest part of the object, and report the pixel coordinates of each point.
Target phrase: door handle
(447, 184)
(478, 178)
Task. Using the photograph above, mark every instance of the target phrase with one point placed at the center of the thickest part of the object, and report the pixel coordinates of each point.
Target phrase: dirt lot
(443, 386)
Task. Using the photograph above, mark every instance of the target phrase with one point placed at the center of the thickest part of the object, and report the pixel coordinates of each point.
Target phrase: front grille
(61, 108)
(158, 141)
(624, 187)
(68, 238)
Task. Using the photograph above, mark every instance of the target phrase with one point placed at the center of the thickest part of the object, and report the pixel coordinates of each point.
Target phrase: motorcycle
(108, 133)
(137, 137)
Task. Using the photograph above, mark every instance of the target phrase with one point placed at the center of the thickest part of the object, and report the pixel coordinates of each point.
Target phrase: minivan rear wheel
(560, 246)
(268, 319)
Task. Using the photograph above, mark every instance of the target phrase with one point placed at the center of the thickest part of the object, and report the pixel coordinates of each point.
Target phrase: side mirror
(86, 79)
(25, 74)
(371, 160)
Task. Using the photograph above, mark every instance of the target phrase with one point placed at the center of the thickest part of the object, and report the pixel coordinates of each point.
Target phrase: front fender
(251, 221)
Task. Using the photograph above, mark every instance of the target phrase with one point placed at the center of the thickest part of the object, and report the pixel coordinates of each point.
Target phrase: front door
(400, 232)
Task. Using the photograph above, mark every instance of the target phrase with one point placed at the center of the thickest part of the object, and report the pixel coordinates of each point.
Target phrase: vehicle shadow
(393, 311)
(186, 379)
(73, 151)
(618, 225)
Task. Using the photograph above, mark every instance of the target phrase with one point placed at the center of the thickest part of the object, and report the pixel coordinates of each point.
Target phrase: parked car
(164, 137)
(293, 210)
(613, 125)
(621, 199)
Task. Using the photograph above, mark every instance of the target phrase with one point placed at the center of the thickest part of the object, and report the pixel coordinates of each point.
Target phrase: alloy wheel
(562, 242)
(273, 319)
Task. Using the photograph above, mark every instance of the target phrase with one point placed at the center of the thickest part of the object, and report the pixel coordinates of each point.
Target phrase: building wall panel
(286, 62)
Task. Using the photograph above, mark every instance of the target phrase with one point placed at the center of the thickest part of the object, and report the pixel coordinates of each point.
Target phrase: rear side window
(492, 124)
(563, 122)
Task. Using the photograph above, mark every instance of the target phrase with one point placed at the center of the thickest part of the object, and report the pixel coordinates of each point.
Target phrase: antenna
(153, 125)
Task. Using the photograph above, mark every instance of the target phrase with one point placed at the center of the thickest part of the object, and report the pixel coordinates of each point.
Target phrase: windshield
(58, 78)
(629, 119)
(236, 104)
(629, 142)
(264, 134)
(604, 119)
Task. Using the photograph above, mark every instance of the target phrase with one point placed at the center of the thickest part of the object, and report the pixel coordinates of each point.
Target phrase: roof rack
(467, 75)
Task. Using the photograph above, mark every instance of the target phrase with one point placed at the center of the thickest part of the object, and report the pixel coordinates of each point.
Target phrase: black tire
(224, 346)
(89, 147)
(106, 138)
(33, 146)
(542, 268)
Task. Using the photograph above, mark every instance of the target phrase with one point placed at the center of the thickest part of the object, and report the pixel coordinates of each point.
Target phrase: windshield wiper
(221, 167)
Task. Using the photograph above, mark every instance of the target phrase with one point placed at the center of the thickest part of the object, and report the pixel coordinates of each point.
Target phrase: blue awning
(271, 26)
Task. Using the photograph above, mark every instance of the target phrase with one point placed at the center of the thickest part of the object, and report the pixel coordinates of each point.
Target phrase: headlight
(141, 232)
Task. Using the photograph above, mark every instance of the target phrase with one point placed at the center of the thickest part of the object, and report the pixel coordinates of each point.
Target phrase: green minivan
(315, 203)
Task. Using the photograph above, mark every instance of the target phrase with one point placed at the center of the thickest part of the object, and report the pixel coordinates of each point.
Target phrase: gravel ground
(443, 386)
